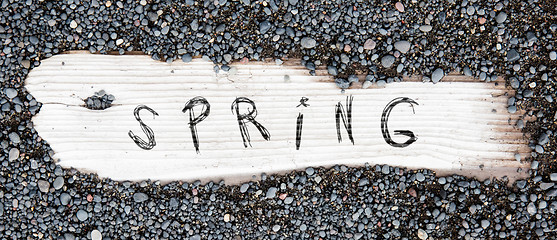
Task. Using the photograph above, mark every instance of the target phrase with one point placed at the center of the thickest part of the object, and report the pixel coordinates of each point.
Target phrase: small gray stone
(353, 78)
(514, 82)
(165, 30)
(43, 185)
(10, 93)
(140, 197)
(501, 17)
(308, 42)
(544, 186)
(543, 139)
(342, 83)
(426, 28)
(531, 208)
(512, 55)
(470, 10)
(244, 188)
(288, 200)
(553, 55)
(82, 215)
(65, 198)
(511, 109)
(264, 27)
(369, 44)
(467, 71)
(13, 154)
(531, 37)
(539, 149)
(186, 58)
(485, 224)
(387, 61)
(271, 192)
(58, 183)
(332, 70)
(276, 228)
(437, 75)
(310, 171)
(553, 177)
(420, 177)
(367, 84)
(402, 46)
(363, 182)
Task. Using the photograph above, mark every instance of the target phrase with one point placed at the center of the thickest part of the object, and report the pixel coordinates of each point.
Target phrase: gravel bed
(383, 40)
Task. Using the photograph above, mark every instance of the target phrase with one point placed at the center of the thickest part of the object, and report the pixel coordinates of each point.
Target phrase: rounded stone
(501, 17)
(43, 185)
(244, 188)
(96, 235)
(73, 24)
(369, 44)
(420, 177)
(82, 215)
(399, 6)
(13, 154)
(308, 42)
(264, 27)
(10, 93)
(426, 28)
(65, 198)
(387, 61)
(512, 55)
(437, 75)
(422, 234)
(140, 197)
(58, 183)
(402, 46)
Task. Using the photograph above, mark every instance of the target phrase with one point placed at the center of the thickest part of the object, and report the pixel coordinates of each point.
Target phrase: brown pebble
(347, 48)
(412, 192)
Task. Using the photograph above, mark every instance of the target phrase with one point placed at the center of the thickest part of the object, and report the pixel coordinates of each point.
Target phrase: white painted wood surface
(460, 125)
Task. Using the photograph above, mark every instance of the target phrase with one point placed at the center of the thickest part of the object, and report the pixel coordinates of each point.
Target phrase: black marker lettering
(249, 117)
(385, 119)
(206, 109)
(146, 129)
(299, 123)
(346, 118)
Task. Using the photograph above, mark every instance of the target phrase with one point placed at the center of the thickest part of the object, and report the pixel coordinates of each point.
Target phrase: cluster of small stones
(99, 101)
(384, 40)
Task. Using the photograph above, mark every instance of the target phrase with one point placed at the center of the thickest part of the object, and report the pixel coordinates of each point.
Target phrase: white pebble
(96, 235)
(553, 55)
(73, 24)
(14, 154)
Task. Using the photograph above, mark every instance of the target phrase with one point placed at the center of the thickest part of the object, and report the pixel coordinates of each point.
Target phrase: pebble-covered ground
(382, 39)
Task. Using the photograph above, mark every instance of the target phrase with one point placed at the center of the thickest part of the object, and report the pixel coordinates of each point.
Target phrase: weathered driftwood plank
(461, 126)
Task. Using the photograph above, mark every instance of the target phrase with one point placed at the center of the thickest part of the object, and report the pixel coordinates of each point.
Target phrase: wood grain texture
(462, 125)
